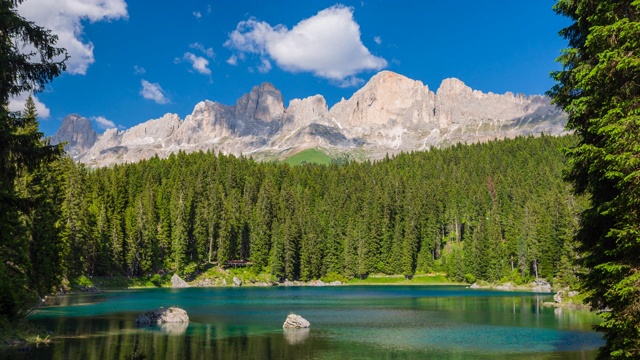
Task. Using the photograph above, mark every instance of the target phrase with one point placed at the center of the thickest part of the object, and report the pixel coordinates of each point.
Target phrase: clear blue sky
(125, 51)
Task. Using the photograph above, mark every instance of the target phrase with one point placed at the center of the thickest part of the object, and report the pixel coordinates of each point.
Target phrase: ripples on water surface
(355, 322)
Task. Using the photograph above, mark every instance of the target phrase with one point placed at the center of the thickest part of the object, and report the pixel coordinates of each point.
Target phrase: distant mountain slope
(390, 114)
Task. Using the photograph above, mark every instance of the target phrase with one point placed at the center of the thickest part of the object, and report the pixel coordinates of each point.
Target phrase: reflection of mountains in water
(390, 114)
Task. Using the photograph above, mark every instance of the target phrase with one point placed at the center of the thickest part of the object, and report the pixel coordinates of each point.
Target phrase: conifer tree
(21, 148)
(598, 87)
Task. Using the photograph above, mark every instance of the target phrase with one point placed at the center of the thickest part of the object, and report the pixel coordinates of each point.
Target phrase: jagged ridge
(391, 113)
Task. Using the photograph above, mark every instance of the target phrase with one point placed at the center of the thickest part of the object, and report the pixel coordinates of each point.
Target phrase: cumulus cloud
(232, 60)
(265, 66)
(17, 104)
(327, 45)
(153, 91)
(197, 14)
(198, 63)
(63, 18)
(206, 51)
(103, 123)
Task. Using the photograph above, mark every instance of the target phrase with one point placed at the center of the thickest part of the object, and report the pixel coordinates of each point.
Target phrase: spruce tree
(21, 150)
(599, 88)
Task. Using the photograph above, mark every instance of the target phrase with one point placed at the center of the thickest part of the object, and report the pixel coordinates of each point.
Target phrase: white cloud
(139, 70)
(153, 91)
(350, 81)
(232, 60)
(378, 40)
(63, 18)
(103, 123)
(17, 104)
(197, 14)
(265, 66)
(207, 51)
(198, 63)
(327, 45)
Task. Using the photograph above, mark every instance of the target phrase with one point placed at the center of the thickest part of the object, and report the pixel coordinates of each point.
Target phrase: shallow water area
(359, 322)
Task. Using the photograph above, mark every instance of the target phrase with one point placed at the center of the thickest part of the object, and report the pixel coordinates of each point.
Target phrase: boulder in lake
(177, 282)
(295, 321)
(161, 316)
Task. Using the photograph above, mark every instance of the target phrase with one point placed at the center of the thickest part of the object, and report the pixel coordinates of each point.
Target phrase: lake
(354, 322)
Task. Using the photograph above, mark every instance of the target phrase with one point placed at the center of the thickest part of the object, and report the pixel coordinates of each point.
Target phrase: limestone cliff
(391, 113)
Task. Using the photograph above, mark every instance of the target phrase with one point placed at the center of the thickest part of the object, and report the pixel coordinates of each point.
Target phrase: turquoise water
(355, 322)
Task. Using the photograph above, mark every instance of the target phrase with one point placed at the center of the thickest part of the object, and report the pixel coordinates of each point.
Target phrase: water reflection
(174, 328)
(348, 322)
(296, 336)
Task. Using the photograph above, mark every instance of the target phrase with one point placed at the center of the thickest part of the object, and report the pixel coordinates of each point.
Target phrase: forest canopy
(498, 210)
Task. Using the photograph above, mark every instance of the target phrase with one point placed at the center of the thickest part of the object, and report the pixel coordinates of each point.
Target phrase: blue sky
(137, 60)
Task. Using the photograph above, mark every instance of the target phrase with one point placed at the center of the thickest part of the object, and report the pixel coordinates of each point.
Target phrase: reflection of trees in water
(296, 336)
(101, 338)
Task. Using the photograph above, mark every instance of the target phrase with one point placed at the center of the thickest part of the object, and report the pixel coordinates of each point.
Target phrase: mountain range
(388, 115)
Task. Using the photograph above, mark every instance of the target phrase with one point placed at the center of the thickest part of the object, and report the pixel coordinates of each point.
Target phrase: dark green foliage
(30, 248)
(417, 213)
(599, 88)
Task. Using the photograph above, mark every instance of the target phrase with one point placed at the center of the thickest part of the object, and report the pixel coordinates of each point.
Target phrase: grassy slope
(314, 156)
(400, 280)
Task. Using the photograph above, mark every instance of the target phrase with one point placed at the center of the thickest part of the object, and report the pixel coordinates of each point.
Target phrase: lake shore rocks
(237, 282)
(177, 282)
(535, 286)
(295, 321)
(162, 316)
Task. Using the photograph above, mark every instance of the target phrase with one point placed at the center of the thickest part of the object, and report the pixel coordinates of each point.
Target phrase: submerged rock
(161, 316)
(295, 321)
(177, 282)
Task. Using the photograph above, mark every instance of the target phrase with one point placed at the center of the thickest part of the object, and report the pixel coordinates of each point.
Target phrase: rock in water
(177, 282)
(161, 316)
(295, 322)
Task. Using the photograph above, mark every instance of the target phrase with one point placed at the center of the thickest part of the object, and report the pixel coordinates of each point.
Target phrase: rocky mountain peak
(78, 132)
(389, 114)
(264, 102)
(453, 86)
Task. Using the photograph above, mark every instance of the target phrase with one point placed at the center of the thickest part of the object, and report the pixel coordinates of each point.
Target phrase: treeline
(487, 211)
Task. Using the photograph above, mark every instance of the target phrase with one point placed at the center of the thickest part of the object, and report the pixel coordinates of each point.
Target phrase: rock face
(390, 114)
(161, 316)
(295, 322)
(77, 132)
(237, 282)
(177, 282)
